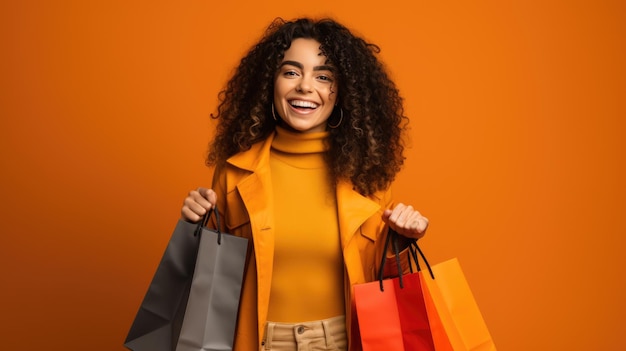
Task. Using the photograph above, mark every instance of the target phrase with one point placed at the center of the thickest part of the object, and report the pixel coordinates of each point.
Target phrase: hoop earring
(273, 113)
(338, 123)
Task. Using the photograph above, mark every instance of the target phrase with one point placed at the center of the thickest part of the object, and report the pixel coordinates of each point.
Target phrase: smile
(303, 104)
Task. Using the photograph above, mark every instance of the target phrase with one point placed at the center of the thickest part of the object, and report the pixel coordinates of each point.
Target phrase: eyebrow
(300, 66)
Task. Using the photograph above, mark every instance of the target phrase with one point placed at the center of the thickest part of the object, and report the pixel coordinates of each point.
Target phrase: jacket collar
(257, 156)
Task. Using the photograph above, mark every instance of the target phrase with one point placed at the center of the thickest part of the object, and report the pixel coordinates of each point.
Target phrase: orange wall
(517, 153)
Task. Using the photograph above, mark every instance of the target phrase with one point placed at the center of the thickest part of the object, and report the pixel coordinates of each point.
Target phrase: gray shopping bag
(157, 323)
(213, 304)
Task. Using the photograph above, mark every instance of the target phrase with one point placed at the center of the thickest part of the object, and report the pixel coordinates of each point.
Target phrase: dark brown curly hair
(367, 147)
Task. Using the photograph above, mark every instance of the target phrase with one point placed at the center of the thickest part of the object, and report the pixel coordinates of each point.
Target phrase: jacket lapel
(353, 210)
(257, 195)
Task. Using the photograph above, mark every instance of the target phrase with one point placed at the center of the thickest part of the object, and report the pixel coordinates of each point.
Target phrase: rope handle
(205, 220)
(413, 251)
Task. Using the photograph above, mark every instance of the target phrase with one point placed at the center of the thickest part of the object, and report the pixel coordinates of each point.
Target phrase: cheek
(281, 88)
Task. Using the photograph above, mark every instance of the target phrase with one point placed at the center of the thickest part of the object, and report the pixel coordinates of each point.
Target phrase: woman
(308, 143)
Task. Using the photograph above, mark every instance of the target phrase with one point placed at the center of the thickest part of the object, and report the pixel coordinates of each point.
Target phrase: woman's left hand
(406, 221)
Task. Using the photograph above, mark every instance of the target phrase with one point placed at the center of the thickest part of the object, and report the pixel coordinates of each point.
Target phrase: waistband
(331, 329)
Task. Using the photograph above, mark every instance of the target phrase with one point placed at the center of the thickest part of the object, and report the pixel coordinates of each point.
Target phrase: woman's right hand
(197, 203)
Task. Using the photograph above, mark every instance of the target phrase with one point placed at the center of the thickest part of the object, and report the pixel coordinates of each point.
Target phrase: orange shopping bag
(450, 302)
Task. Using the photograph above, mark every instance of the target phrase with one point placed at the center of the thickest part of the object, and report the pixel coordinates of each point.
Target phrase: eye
(290, 74)
(325, 78)
(288, 71)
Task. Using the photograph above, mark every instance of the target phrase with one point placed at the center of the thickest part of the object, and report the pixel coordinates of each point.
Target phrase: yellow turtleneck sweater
(307, 282)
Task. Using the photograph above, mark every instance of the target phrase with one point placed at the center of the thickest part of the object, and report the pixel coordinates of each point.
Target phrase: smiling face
(305, 91)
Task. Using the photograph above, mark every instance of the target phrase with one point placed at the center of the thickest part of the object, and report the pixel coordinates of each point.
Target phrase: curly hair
(366, 148)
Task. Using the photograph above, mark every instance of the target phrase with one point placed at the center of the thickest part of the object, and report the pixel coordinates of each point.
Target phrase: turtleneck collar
(299, 143)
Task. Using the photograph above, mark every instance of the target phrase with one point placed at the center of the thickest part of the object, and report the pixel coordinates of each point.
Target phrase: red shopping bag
(391, 313)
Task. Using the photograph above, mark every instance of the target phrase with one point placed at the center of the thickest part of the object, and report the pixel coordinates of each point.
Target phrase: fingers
(208, 194)
(406, 221)
(197, 203)
(386, 215)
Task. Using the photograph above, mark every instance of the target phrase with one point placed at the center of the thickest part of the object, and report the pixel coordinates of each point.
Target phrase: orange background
(517, 153)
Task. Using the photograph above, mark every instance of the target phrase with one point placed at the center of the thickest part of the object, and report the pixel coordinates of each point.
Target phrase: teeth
(300, 103)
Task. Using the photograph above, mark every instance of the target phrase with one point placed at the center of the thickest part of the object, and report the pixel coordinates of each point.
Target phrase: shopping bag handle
(205, 220)
(413, 250)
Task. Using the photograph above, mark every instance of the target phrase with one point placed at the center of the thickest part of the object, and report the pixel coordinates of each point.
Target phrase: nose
(305, 85)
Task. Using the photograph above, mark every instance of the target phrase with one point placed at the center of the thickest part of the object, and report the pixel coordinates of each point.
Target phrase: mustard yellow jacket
(245, 203)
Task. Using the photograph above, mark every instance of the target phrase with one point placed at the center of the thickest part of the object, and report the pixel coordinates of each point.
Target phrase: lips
(303, 104)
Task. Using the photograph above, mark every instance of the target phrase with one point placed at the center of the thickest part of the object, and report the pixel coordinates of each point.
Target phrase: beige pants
(325, 335)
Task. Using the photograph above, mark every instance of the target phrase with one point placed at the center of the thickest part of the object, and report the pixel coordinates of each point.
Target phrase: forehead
(305, 50)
